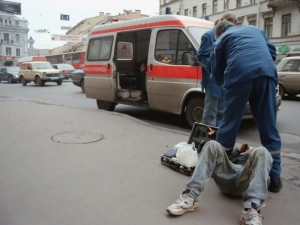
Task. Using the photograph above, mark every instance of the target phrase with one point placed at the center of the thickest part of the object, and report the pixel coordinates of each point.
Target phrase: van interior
(132, 50)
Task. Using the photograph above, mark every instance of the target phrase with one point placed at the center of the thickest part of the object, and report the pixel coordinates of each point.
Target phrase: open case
(200, 134)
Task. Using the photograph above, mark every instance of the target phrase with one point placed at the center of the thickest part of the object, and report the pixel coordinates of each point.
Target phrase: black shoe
(275, 185)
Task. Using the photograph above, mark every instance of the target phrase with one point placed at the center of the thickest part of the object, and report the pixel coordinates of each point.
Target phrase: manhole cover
(77, 137)
(289, 138)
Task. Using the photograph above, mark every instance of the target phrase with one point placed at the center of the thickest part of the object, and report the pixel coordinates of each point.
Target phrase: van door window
(99, 49)
(170, 46)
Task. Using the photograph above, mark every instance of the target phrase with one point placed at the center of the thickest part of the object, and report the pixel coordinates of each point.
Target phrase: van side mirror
(189, 59)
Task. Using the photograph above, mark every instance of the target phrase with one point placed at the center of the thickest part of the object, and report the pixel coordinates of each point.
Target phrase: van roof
(150, 22)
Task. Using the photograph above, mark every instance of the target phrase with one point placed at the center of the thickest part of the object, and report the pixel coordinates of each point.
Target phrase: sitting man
(249, 181)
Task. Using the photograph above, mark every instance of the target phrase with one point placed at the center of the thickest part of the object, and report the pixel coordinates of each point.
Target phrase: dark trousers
(261, 93)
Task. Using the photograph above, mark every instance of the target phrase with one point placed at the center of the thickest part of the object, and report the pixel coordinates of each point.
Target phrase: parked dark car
(67, 69)
(10, 74)
(78, 79)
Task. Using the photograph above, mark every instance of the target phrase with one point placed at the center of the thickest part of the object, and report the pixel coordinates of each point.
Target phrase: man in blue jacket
(214, 94)
(243, 61)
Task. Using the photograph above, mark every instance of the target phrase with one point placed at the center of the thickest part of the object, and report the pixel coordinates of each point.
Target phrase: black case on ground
(200, 134)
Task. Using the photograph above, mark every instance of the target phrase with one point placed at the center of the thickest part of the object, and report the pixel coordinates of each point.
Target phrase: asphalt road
(70, 95)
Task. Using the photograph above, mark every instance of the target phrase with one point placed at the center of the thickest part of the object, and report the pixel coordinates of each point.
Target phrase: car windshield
(13, 69)
(65, 67)
(197, 33)
(42, 65)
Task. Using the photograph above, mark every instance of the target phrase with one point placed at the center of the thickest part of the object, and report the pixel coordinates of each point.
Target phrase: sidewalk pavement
(72, 166)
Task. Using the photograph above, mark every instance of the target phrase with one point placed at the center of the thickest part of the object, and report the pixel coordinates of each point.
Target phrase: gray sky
(45, 14)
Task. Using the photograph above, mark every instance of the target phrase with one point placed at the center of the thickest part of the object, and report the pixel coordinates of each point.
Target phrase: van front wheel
(109, 106)
(194, 110)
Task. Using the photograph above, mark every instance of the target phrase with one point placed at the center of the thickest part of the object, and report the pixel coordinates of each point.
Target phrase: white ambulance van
(166, 46)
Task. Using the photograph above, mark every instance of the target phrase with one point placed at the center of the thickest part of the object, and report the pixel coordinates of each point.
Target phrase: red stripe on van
(97, 69)
(183, 72)
(180, 23)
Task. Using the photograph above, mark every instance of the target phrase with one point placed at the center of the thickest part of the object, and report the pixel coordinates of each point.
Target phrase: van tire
(194, 110)
(38, 81)
(82, 86)
(103, 105)
(59, 82)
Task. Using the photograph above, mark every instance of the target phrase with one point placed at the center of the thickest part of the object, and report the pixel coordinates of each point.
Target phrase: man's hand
(245, 149)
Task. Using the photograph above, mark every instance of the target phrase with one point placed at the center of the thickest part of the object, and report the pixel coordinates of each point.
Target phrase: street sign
(65, 28)
(68, 38)
(283, 49)
(10, 7)
(64, 17)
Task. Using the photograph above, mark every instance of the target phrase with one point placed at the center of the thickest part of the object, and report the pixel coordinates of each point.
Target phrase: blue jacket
(242, 53)
(203, 55)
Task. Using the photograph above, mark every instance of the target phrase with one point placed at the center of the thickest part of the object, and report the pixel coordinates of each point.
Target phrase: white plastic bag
(186, 154)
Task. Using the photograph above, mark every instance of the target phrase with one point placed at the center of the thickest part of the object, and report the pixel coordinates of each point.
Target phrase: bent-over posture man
(249, 181)
(243, 62)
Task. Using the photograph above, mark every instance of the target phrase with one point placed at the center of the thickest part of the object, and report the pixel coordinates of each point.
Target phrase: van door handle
(108, 66)
(151, 67)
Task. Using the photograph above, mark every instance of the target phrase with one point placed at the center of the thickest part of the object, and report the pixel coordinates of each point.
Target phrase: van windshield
(197, 33)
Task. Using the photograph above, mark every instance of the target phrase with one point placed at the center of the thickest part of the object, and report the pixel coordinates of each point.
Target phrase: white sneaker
(251, 217)
(184, 203)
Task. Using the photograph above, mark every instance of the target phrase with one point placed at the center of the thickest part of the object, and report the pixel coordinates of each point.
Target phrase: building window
(286, 25)
(252, 19)
(195, 11)
(215, 6)
(204, 10)
(238, 3)
(18, 52)
(186, 12)
(226, 5)
(17, 23)
(1, 21)
(268, 27)
(8, 51)
(240, 20)
(253, 2)
(17, 38)
(252, 22)
(6, 37)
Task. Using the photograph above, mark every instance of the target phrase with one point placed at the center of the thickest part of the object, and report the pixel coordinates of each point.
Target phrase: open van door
(99, 71)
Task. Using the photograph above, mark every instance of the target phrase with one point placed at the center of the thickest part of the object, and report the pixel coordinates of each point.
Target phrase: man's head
(221, 27)
(230, 16)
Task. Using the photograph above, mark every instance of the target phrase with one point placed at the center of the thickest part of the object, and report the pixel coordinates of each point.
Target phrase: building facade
(278, 18)
(13, 39)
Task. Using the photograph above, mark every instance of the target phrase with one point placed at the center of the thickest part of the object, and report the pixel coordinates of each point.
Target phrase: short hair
(230, 16)
(221, 27)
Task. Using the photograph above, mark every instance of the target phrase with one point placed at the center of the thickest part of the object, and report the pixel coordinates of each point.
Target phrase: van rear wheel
(109, 106)
(194, 110)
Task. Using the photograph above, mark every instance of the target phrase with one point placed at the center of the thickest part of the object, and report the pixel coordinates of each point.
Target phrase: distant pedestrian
(243, 61)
